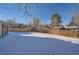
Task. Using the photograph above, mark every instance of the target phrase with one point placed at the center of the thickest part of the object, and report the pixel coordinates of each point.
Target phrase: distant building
(74, 24)
(73, 28)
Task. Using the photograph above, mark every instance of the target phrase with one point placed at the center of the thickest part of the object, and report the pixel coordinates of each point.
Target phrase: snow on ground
(44, 35)
(29, 43)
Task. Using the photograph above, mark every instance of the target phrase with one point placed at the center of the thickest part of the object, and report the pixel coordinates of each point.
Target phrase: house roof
(72, 27)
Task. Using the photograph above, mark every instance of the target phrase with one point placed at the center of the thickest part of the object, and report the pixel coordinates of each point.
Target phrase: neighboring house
(3, 29)
(74, 24)
(73, 28)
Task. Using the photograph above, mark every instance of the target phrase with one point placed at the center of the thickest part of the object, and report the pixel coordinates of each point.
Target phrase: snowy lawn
(29, 43)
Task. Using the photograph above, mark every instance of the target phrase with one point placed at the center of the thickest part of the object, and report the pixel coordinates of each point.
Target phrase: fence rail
(73, 34)
(67, 33)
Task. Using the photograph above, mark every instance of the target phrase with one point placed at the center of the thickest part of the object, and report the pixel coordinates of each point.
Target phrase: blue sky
(44, 12)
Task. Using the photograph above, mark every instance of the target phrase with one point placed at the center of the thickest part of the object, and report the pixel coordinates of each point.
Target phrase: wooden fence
(67, 33)
(73, 34)
(18, 29)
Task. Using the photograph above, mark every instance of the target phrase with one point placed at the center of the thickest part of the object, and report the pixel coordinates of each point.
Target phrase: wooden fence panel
(65, 33)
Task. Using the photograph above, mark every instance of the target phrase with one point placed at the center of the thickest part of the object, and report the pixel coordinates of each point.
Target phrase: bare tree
(74, 21)
(25, 8)
(36, 22)
(75, 9)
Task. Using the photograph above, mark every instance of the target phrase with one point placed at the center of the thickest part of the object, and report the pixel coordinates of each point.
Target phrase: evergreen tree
(56, 20)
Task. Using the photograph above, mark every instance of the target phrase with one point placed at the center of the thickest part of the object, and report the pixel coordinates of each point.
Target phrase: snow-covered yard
(37, 44)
